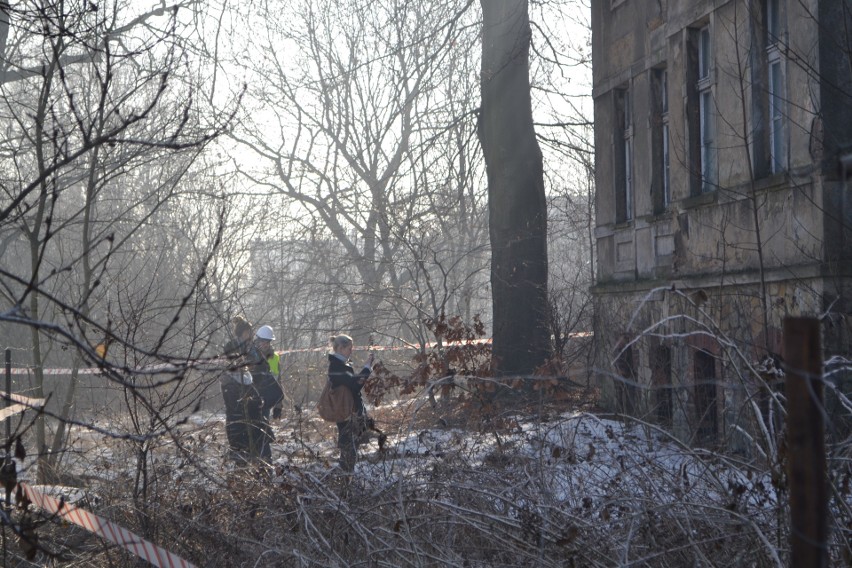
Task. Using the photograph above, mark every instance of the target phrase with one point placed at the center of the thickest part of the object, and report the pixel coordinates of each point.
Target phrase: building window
(623, 156)
(660, 140)
(626, 391)
(701, 110)
(626, 387)
(768, 90)
(706, 406)
(777, 148)
(661, 377)
(705, 102)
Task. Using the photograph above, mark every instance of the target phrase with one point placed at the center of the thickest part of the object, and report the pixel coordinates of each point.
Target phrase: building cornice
(810, 271)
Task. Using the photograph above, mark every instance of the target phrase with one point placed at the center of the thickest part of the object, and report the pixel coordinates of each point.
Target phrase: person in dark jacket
(244, 424)
(342, 373)
(264, 379)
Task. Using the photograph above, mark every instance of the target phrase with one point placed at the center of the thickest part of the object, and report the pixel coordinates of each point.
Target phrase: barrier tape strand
(107, 530)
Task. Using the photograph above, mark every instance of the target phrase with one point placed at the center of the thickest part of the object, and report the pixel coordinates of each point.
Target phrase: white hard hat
(265, 332)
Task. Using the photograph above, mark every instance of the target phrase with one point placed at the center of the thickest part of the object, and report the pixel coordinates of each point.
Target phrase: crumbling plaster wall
(724, 321)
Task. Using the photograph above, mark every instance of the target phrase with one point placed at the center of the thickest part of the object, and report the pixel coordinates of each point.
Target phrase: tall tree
(355, 133)
(517, 205)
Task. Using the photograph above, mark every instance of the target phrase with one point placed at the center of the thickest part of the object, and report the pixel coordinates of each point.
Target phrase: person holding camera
(341, 372)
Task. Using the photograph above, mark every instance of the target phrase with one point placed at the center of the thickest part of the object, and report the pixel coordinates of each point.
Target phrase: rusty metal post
(7, 505)
(806, 462)
(8, 391)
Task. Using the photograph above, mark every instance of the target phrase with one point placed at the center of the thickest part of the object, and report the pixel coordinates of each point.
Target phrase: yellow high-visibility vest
(273, 361)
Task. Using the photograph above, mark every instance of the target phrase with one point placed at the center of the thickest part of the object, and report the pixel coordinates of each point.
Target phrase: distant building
(288, 288)
(723, 139)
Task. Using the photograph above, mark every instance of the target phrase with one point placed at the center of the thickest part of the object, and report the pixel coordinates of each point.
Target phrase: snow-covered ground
(559, 489)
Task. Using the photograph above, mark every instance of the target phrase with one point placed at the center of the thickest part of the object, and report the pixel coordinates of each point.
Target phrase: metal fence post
(8, 390)
(806, 462)
(7, 504)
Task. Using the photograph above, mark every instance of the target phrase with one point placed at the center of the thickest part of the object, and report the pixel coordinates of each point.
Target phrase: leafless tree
(103, 126)
(362, 117)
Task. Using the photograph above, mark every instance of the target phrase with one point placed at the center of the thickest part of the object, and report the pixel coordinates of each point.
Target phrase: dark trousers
(270, 390)
(349, 434)
(249, 435)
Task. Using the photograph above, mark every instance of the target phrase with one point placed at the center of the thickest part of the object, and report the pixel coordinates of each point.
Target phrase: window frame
(627, 134)
(660, 154)
(623, 155)
(664, 117)
(706, 117)
(775, 83)
(705, 391)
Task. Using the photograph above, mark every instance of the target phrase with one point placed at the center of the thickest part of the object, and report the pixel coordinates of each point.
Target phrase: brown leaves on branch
(458, 359)
(457, 349)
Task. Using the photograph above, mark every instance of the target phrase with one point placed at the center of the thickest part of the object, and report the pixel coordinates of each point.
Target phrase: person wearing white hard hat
(266, 382)
(274, 361)
(246, 437)
(265, 333)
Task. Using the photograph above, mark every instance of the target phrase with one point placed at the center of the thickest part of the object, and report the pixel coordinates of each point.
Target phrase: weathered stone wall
(717, 271)
(726, 322)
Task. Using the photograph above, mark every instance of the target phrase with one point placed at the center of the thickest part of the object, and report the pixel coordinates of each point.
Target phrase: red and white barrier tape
(11, 411)
(107, 530)
(22, 403)
(25, 400)
(165, 368)
(59, 371)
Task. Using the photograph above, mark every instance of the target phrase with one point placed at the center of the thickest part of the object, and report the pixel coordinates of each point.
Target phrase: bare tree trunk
(38, 390)
(85, 309)
(517, 206)
(34, 235)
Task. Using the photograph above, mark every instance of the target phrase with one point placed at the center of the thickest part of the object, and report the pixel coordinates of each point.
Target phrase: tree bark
(516, 200)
